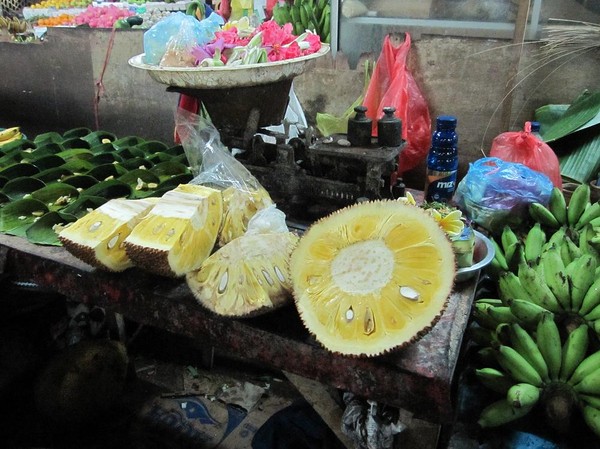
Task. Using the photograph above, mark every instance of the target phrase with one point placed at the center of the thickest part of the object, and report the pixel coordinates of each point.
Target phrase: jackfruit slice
(247, 276)
(179, 233)
(97, 237)
(372, 277)
(240, 206)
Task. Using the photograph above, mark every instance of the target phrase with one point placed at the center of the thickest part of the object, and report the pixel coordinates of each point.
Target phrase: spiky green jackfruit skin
(247, 276)
(179, 233)
(97, 238)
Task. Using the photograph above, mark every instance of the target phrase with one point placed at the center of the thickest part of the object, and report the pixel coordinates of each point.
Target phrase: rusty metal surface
(417, 378)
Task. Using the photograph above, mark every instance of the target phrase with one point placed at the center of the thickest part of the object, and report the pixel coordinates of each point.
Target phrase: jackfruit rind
(247, 276)
(179, 233)
(239, 207)
(372, 277)
(97, 237)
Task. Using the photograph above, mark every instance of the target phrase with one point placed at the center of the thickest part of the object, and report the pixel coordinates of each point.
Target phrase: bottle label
(440, 185)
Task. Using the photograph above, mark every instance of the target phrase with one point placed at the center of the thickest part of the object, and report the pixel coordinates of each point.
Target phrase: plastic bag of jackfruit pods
(214, 166)
(249, 275)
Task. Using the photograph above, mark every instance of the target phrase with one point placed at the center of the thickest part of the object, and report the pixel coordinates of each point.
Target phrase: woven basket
(11, 7)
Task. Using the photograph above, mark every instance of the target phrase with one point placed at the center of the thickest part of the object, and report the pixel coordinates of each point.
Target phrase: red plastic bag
(525, 148)
(393, 85)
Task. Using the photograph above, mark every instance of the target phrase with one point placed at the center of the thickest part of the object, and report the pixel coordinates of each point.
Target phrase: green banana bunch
(575, 214)
(313, 15)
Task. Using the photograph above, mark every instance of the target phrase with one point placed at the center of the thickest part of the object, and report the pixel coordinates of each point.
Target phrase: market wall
(53, 86)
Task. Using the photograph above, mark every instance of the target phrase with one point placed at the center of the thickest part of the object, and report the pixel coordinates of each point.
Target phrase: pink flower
(232, 37)
(314, 42)
(273, 34)
(280, 52)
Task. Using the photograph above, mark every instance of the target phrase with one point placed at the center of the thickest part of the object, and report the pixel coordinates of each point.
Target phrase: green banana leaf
(75, 142)
(48, 137)
(576, 117)
(96, 138)
(42, 232)
(80, 181)
(17, 188)
(109, 189)
(20, 169)
(17, 216)
(573, 132)
(56, 195)
(77, 132)
(53, 174)
(82, 205)
(46, 162)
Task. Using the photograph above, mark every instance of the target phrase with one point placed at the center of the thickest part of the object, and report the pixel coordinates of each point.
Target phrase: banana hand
(9, 133)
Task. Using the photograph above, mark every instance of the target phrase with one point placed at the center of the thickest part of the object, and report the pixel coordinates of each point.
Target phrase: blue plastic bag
(197, 32)
(495, 193)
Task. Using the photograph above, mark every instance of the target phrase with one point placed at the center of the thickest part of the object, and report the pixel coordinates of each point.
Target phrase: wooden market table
(418, 378)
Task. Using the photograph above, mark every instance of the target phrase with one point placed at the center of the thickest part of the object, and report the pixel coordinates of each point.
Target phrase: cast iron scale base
(307, 177)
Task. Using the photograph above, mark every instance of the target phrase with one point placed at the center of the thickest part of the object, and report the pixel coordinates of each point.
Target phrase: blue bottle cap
(535, 127)
(446, 122)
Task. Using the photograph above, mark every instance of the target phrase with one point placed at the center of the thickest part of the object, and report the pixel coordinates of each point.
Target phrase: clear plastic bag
(211, 162)
(495, 193)
(214, 166)
(180, 31)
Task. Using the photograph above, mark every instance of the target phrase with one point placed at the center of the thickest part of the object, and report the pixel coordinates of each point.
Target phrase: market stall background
(117, 92)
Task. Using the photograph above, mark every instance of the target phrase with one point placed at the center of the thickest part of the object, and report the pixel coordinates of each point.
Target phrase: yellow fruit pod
(372, 277)
(246, 277)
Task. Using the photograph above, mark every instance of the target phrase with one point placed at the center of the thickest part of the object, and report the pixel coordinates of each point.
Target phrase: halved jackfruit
(179, 233)
(372, 277)
(240, 206)
(247, 276)
(97, 237)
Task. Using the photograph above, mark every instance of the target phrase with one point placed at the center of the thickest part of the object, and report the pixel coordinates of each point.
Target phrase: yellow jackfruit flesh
(247, 276)
(97, 237)
(179, 233)
(239, 207)
(372, 277)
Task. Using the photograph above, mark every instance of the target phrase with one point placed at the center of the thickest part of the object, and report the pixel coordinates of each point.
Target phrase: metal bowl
(228, 77)
(483, 254)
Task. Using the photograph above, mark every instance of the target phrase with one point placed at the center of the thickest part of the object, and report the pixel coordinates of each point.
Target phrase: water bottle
(442, 161)
(535, 130)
